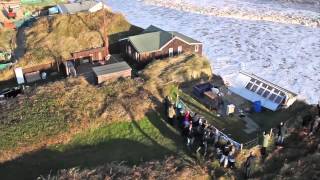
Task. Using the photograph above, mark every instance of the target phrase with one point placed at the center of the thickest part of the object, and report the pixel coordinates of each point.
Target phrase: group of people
(311, 123)
(201, 137)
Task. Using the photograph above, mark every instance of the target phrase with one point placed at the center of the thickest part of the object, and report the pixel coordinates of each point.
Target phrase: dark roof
(111, 68)
(184, 37)
(152, 41)
(154, 38)
(152, 28)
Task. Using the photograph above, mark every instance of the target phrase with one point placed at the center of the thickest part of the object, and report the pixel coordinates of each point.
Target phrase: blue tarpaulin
(257, 106)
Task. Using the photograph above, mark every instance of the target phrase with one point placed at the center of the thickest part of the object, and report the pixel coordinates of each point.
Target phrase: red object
(12, 14)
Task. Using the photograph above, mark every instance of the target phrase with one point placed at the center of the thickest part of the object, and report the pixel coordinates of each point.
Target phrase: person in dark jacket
(315, 125)
(265, 144)
(281, 133)
(306, 121)
(205, 142)
(249, 165)
(225, 153)
(190, 136)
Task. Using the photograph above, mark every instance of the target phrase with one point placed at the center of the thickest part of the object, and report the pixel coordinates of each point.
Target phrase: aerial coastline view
(159, 89)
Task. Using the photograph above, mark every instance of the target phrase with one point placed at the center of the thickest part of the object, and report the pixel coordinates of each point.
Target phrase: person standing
(281, 133)
(231, 159)
(265, 144)
(216, 137)
(225, 154)
(187, 116)
(315, 126)
(249, 165)
(171, 114)
(190, 136)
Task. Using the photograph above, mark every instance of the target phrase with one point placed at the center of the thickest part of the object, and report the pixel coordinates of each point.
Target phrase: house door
(179, 49)
(170, 52)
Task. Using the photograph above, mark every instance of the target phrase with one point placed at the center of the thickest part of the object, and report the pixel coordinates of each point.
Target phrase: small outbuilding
(81, 6)
(111, 71)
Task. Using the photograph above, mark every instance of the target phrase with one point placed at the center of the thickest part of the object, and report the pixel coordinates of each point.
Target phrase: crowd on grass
(201, 137)
(204, 139)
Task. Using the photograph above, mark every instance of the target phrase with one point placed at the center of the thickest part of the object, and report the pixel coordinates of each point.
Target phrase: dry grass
(170, 168)
(7, 39)
(49, 39)
(161, 74)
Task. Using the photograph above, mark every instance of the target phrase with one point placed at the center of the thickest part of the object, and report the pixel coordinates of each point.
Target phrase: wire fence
(251, 143)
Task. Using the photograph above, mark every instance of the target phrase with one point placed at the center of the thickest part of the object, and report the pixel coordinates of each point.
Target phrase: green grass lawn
(268, 119)
(133, 142)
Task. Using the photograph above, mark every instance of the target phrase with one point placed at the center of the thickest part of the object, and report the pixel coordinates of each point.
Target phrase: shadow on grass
(46, 161)
(90, 155)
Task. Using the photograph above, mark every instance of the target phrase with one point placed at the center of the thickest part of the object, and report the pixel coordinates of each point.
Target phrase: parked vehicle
(11, 92)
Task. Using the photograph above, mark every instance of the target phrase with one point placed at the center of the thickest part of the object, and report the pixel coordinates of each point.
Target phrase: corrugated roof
(72, 8)
(150, 41)
(111, 68)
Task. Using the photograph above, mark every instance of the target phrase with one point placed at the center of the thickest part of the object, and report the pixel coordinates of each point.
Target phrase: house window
(196, 48)
(137, 56)
(170, 52)
(179, 49)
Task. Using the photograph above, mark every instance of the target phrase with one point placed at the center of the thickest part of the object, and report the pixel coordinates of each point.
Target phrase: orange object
(9, 25)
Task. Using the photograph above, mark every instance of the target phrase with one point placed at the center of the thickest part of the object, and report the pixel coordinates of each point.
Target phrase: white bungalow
(81, 6)
(254, 88)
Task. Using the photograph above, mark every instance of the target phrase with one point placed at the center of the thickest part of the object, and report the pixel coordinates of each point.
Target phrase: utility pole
(106, 41)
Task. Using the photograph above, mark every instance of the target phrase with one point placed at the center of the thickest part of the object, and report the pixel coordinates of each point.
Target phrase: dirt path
(20, 50)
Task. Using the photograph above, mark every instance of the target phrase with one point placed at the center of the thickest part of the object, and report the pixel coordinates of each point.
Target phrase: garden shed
(111, 71)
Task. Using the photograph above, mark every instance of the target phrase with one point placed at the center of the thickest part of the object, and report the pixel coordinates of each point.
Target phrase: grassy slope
(132, 142)
(5, 38)
(52, 114)
(57, 107)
